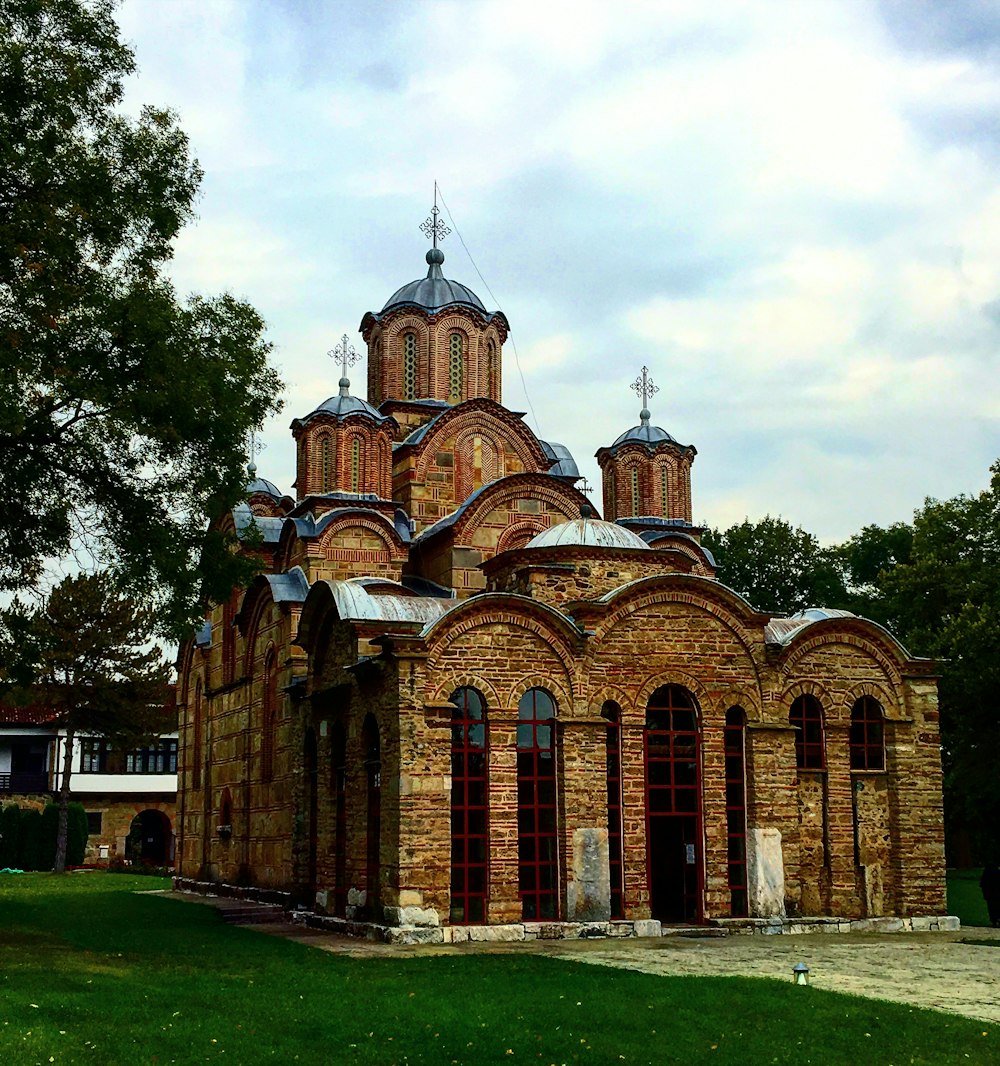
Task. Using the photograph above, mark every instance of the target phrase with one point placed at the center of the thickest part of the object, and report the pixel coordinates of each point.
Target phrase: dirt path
(940, 970)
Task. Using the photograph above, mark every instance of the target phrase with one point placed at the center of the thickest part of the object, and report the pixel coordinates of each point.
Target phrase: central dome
(434, 291)
(589, 533)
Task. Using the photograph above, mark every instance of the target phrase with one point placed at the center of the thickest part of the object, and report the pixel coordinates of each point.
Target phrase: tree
(124, 412)
(96, 671)
(777, 567)
(944, 602)
(866, 560)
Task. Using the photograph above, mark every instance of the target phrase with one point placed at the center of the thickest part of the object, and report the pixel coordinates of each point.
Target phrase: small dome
(587, 532)
(343, 405)
(565, 465)
(644, 434)
(259, 484)
(434, 291)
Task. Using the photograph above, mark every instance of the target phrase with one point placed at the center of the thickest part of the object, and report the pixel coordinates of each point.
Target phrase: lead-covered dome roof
(650, 437)
(342, 406)
(434, 291)
(589, 533)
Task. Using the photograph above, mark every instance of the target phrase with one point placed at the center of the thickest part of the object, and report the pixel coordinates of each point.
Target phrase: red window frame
(613, 761)
(867, 737)
(734, 743)
(469, 808)
(537, 840)
(674, 790)
(807, 715)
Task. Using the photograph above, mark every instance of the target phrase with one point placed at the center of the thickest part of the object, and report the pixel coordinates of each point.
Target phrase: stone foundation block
(413, 936)
(647, 927)
(949, 924)
(499, 934)
(416, 916)
(920, 925)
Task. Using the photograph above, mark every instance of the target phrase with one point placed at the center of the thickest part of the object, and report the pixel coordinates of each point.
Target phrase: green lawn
(94, 972)
(965, 898)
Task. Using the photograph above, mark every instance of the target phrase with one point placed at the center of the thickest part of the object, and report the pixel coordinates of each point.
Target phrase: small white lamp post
(801, 972)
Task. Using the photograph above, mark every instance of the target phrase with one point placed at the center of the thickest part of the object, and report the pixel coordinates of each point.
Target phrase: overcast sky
(789, 212)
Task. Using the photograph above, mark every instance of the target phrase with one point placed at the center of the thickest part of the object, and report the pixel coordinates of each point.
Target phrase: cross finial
(344, 353)
(254, 447)
(643, 386)
(433, 227)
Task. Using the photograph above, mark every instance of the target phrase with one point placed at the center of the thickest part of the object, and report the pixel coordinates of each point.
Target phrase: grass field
(93, 971)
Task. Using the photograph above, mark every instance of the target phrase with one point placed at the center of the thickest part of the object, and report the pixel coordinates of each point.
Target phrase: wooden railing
(24, 782)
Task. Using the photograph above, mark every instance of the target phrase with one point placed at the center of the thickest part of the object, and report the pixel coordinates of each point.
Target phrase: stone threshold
(644, 928)
(944, 923)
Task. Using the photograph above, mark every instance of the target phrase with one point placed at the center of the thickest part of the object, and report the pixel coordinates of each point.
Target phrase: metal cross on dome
(643, 386)
(433, 227)
(254, 446)
(344, 353)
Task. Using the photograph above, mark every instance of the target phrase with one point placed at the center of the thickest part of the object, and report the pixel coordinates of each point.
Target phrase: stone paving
(940, 970)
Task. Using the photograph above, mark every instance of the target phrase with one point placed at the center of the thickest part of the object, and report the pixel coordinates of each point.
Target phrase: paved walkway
(941, 970)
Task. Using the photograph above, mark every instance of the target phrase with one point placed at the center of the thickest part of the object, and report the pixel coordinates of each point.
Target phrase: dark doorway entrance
(150, 839)
(312, 805)
(673, 805)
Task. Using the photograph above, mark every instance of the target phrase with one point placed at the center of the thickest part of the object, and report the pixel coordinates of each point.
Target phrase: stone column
(583, 783)
(504, 904)
(773, 868)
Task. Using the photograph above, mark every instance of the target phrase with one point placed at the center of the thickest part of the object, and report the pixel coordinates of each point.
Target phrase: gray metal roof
(433, 291)
(565, 463)
(645, 434)
(355, 604)
(291, 587)
(260, 484)
(782, 630)
(343, 405)
(244, 519)
(587, 532)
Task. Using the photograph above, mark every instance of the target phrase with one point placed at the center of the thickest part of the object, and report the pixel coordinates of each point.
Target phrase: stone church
(455, 698)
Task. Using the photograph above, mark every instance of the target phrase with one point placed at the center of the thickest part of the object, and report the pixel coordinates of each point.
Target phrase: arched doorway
(673, 805)
(150, 839)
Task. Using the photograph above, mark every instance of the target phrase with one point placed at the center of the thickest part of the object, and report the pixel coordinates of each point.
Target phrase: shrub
(10, 819)
(30, 841)
(77, 834)
(49, 831)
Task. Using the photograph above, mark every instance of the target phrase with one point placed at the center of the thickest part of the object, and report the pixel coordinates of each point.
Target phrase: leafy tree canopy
(94, 668)
(779, 568)
(945, 602)
(124, 411)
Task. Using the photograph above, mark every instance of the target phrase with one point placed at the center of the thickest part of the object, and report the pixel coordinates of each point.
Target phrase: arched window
(338, 785)
(409, 366)
(867, 740)
(328, 462)
(635, 491)
(226, 810)
(491, 371)
(356, 465)
(455, 365)
(469, 807)
(196, 738)
(736, 810)
(269, 714)
(807, 715)
(664, 491)
(373, 838)
(538, 871)
(613, 760)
